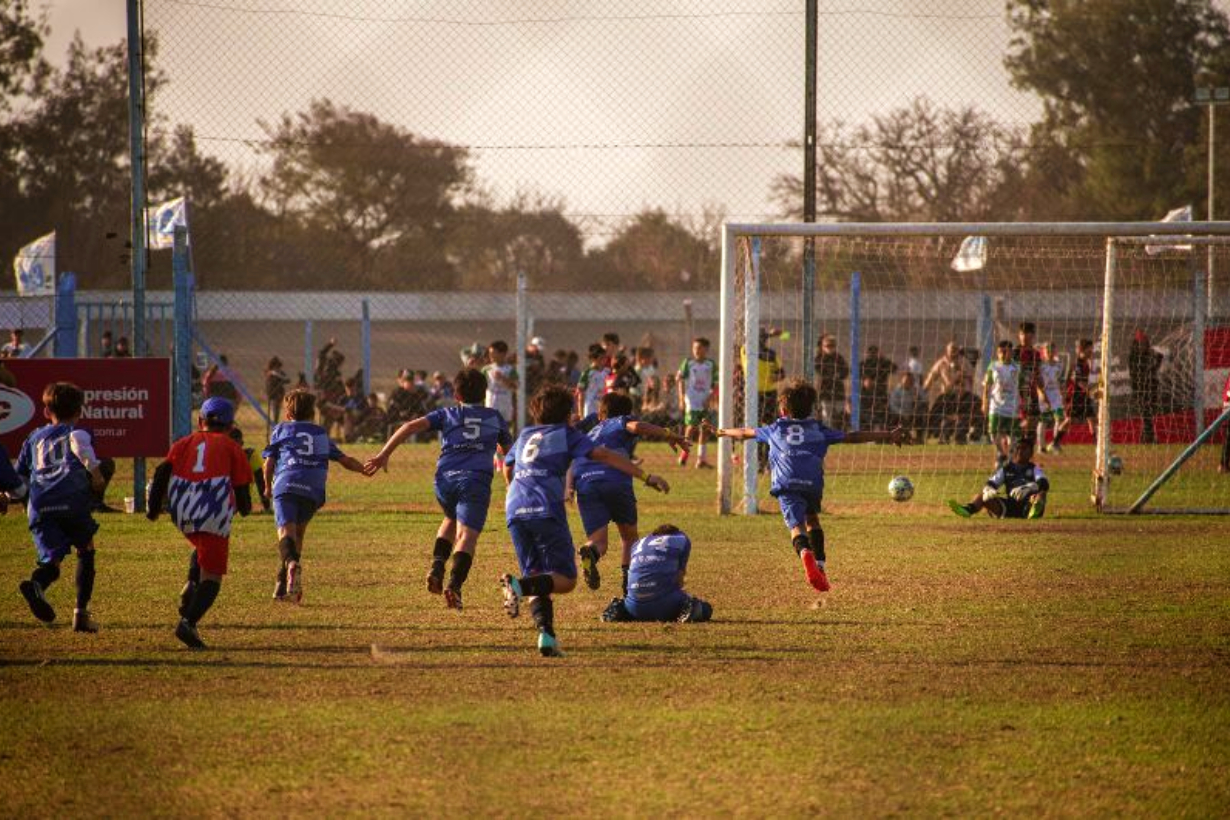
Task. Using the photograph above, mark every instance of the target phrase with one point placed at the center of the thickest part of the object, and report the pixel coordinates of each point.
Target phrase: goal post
(892, 298)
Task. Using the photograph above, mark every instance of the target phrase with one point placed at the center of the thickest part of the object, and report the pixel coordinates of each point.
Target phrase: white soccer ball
(901, 488)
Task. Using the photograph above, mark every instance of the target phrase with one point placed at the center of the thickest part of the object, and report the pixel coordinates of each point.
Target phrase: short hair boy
(1016, 490)
(655, 582)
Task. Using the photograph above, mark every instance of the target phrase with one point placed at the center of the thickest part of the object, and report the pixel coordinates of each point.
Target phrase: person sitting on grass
(1017, 489)
(655, 582)
(797, 445)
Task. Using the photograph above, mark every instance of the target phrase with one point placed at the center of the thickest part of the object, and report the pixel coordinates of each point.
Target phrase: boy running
(592, 383)
(655, 585)
(1000, 401)
(58, 465)
(697, 385)
(296, 469)
(535, 469)
(204, 481)
(797, 445)
(470, 436)
(1017, 489)
(604, 493)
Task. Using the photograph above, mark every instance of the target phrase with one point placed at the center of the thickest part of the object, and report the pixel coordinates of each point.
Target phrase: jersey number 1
(199, 467)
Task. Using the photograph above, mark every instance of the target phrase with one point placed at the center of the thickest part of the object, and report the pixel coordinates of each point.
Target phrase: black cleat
(589, 567)
(82, 622)
(279, 587)
(452, 597)
(435, 581)
(33, 593)
(188, 636)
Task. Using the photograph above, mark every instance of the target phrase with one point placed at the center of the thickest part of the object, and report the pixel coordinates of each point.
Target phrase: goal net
(896, 325)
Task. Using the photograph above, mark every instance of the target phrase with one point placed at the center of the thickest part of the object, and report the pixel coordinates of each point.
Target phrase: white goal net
(896, 325)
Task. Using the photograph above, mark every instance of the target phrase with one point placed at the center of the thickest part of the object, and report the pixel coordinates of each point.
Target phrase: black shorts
(1081, 407)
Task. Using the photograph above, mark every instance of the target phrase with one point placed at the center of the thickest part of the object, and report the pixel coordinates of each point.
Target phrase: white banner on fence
(972, 254)
(35, 267)
(1183, 214)
(163, 220)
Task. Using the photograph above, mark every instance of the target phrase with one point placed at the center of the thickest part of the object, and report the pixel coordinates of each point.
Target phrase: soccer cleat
(279, 586)
(512, 595)
(960, 509)
(185, 598)
(435, 581)
(188, 635)
(1037, 508)
(82, 622)
(701, 464)
(294, 582)
(33, 593)
(815, 573)
(683, 458)
(452, 598)
(548, 646)
(589, 567)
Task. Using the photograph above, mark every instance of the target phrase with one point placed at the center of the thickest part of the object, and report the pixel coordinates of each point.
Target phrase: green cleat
(960, 509)
(548, 646)
(1037, 508)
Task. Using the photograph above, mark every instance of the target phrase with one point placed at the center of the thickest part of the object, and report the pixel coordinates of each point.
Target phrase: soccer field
(1072, 666)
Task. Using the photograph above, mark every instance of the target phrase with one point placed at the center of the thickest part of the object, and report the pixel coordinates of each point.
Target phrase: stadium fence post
(856, 387)
(308, 358)
(1199, 320)
(522, 314)
(181, 370)
(726, 367)
(136, 137)
(366, 343)
(751, 374)
(65, 344)
(1101, 475)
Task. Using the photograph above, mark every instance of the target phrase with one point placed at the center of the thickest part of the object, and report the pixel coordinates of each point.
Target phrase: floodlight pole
(136, 134)
(809, 188)
(1212, 98)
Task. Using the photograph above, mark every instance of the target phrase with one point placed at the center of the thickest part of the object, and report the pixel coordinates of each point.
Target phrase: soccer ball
(901, 488)
(1115, 465)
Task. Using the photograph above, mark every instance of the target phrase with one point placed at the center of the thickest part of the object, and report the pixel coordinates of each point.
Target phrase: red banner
(127, 402)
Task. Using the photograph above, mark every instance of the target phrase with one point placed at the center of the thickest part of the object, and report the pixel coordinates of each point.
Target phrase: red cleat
(815, 575)
(683, 457)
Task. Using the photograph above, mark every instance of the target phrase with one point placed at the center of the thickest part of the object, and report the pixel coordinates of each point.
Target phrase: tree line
(345, 200)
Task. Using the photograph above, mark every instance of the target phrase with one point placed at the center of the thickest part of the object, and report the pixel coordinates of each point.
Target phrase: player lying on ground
(203, 482)
(604, 493)
(534, 508)
(1017, 489)
(797, 445)
(296, 470)
(470, 435)
(58, 465)
(655, 582)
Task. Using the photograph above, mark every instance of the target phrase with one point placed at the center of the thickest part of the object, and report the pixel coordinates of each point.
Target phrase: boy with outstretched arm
(58, 465)
(797, 445)
(470, 435)
(534, 508)
(1017, 489)
(204, 480)
(603, 493)
(296, 469)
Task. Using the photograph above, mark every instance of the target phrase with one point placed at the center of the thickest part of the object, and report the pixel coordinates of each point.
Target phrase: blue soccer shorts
(293, 509)
(55, 536)
(796, 507)
(543, 545)
(666, 607)
(602, 502)
(465, 496)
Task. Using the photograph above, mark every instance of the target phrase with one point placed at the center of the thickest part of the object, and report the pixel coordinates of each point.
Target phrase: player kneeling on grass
(655, 582)
(470, 436)
(604, 493)
(58, 465)
(296, 468)
(1017, 489)
(534, 507)
(797, 446)
(204, 480)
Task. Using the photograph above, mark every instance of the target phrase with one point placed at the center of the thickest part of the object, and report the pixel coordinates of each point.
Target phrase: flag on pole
(35, 267)
(163, 220)
(972, 255)
(1183, 214)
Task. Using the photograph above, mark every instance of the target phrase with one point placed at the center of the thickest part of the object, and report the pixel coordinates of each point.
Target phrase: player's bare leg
(446, 535)
(463, 559)
(690, 432)
(701, 444)
(290, 545)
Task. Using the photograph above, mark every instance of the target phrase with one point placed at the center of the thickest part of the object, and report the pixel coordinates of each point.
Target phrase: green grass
(1073, 666)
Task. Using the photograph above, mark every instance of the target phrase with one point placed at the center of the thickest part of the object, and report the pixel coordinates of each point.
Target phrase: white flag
(1183, 214)
(972, 255)
(35, 267)
(163, 220)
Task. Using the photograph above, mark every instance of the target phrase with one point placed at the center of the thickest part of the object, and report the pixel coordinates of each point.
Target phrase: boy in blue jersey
(534, 508)
(58, 464)
(603, 493)
(655, 583)
(797, 446)
(1017, 489)
(471, 434)
(296, 469)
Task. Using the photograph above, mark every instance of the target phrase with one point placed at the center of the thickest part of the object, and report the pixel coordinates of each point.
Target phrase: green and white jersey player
(1001, 399)
(501, 380)
(1050, 374)
(697, 387)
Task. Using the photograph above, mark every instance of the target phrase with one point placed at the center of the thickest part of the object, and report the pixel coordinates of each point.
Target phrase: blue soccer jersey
(470, 434)
(540, 458)
(657, 561)
(55, 462)
(613, 435)
(796, 453)
(301, 452)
